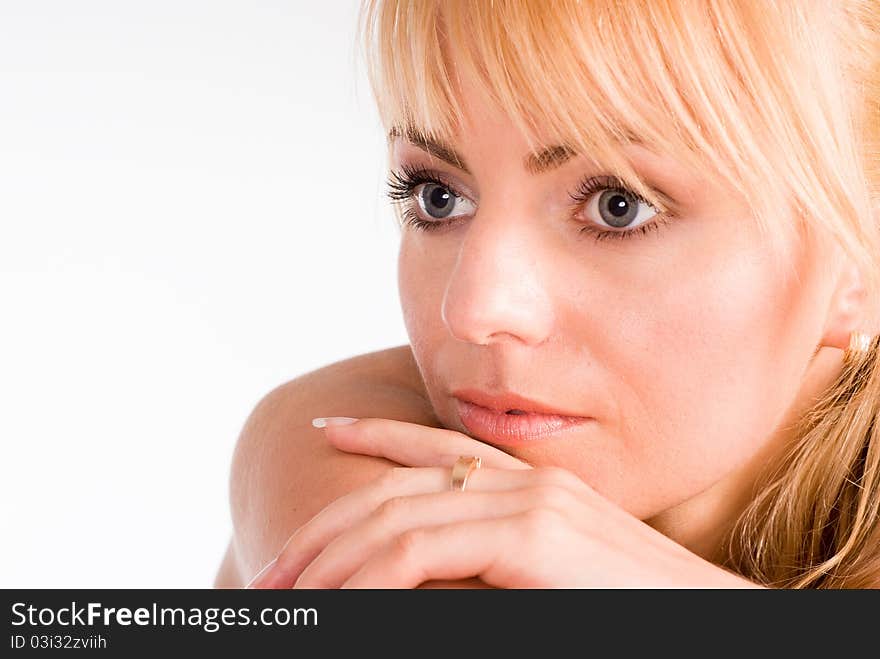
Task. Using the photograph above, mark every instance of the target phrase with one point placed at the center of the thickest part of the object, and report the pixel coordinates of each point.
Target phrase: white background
(191, 213)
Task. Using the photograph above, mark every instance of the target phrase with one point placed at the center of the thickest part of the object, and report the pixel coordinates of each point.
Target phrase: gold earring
(859, 345)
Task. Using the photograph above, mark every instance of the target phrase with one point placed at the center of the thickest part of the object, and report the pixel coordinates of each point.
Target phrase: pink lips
(498, 427)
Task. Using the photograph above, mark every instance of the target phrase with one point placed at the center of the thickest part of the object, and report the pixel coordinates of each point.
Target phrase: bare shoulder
(284, 472)
(395, 367)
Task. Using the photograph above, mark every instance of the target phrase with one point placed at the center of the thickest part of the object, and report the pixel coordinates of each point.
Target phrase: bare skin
(284, 471)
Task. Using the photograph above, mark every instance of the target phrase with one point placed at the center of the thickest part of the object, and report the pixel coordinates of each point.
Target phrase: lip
(505, 400)
(485, 418)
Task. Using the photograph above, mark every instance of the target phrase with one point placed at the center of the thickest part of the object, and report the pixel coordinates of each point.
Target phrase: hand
(513, 527)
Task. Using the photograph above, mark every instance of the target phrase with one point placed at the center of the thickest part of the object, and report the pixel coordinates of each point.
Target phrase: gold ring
(462, 469)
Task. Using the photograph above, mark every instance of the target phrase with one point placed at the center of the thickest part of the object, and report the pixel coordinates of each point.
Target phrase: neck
(701, 523)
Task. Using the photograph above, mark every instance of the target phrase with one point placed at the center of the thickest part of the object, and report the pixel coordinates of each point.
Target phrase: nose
(495, 292)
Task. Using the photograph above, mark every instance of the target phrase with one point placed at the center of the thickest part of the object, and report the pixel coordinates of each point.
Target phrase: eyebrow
(535, 163)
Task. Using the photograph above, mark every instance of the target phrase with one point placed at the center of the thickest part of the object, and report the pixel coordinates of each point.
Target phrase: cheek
(421, 282)
(707, 356)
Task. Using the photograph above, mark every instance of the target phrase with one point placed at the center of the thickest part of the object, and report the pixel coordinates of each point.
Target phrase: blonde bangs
(734, 90)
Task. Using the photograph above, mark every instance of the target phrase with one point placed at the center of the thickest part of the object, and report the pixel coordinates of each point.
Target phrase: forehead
(478, 114)
(544, 140)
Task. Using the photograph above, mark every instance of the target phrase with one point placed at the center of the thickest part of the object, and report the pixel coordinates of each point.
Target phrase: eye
(617, 212)
(429, 202)
(439, 202)
(617, 208)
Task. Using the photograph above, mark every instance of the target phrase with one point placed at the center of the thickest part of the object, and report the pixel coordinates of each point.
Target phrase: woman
(638, 270)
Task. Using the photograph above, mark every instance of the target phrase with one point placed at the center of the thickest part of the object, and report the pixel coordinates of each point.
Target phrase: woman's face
(685, 345)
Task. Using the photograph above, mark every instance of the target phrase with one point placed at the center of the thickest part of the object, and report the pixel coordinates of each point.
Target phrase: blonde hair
(780, 101)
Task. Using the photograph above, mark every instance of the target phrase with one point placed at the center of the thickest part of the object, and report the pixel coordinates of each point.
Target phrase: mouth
(513, 426)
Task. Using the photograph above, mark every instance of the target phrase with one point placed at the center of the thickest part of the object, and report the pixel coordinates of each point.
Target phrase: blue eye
(439, 202)
(622, 213)
(619, 209)
(429, 203)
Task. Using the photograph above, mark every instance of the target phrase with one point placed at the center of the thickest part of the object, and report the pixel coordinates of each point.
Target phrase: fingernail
(324, 421)
(255, 582)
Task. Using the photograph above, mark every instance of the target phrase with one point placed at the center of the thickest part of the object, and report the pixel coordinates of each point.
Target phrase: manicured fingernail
(262, 574)
(324, 421)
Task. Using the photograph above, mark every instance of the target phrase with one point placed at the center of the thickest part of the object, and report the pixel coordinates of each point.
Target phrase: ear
(847, 308)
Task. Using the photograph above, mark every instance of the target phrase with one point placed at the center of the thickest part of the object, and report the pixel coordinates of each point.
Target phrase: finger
(345, 554)
(415, 445)
(476, 548)
(307, 542)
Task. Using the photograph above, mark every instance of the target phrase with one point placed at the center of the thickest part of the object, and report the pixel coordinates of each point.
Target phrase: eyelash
(401, 186)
